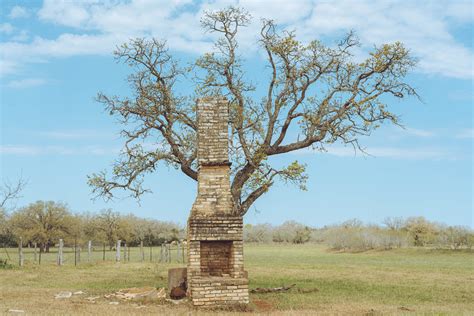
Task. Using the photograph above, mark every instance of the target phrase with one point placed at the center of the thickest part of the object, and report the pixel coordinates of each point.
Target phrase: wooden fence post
(89, 250)
(162, 253)
(151, 252)
(103, 251)
(60, 253)
(75, 252)
(169, 252)
(117, 251)
(183, 249)
(20, 252)
(124, 252)
(128, 254)
(178, 252)
(142, 253)
(36, 253)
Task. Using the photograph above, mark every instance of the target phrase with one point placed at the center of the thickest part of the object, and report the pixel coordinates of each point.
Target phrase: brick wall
(216, 258)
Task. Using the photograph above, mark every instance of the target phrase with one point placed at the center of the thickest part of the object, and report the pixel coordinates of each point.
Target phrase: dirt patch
(263, 306)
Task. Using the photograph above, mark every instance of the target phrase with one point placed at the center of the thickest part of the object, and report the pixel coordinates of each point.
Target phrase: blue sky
(56, 56)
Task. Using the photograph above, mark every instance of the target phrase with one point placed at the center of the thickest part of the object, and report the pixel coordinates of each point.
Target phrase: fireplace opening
(216, 258)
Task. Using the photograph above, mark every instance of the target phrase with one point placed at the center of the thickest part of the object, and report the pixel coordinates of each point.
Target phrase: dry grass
(397, 281)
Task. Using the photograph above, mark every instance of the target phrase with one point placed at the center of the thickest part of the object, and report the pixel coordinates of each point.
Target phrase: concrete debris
(92, 298)
(138, 293)
(19, 311)
(176, 302)
(62, 295)
(78, 293)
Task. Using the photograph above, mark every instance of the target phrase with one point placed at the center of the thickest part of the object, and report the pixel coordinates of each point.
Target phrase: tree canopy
(315, 95)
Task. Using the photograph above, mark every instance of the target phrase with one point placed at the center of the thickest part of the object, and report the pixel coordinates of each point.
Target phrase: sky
(57, 55)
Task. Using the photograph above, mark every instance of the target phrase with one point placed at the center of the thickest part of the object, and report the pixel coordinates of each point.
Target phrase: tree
(42, 222)
(421, 230)
(108, 224)
(316, 95)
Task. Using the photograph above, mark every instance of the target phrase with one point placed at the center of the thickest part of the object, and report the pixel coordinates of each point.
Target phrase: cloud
(6, 28)
(418, 132)
(422, 25)
(466, 133)
(426, 27)
(403, 153)
(28, 150)
(18, 12)
(26, 83)
(74, 134)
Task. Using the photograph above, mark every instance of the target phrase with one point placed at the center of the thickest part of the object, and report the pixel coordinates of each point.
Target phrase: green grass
(396, 281)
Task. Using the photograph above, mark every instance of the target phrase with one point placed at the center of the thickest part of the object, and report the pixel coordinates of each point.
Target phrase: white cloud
(28, 150)
(423, 26)
(74, 134)
(26, 83)
(418, 153)
(21, 36)
(18, 12)
(67, 13)
(418, 132)
(6, 28)
(466, 133)
(426, 27)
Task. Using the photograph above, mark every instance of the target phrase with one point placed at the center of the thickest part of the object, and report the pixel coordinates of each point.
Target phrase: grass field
(416, 281)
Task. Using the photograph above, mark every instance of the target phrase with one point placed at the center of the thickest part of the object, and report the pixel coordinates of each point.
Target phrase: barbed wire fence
(93, 252)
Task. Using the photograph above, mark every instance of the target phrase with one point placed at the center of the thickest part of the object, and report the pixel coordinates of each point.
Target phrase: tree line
(354, 235)
(45, 222)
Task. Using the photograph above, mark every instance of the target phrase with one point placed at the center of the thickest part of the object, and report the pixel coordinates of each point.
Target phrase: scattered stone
(177, 293)
(272, 290)
(113, 303)
(175, 301)
(403, 308)
(92, 298)
(78, 293)
(18, 311)
(62, 295)
(138, 293)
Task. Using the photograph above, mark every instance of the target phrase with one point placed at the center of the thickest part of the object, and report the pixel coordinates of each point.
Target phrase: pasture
(414, 280)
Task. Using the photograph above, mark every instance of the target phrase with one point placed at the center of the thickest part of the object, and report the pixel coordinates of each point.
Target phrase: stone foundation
(215, 291)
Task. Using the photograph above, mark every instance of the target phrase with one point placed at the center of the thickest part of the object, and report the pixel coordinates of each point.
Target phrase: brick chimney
(215, 272)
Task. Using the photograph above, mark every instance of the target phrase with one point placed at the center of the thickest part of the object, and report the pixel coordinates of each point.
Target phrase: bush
(4, 264)
(292, 232)
(354, 236)
(258, 233)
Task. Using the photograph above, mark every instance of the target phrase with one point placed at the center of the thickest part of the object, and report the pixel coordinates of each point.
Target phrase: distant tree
(455, 237)
(6, 233)
(314, 95)
(110, 227)
(42, 222)
(394, 223)
(258, 233)
(421, 230)
(293, 232)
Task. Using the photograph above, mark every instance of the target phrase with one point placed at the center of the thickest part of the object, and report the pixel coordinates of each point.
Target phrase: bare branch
(10, 192)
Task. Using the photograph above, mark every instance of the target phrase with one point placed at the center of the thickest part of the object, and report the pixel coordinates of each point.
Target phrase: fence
(89, 253)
